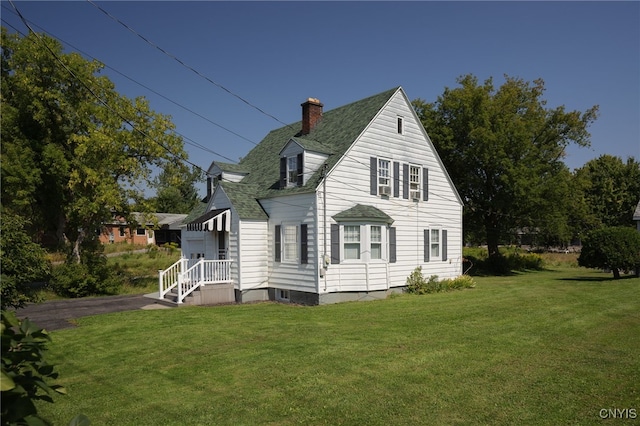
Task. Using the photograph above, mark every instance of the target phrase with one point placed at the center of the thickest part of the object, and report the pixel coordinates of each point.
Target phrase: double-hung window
(351, 242)
(290, 234)
(375, 236)
(414, 182)
(435, 243)
(384, 177)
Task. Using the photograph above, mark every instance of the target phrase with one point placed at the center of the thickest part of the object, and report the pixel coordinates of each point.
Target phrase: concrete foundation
(213, 294)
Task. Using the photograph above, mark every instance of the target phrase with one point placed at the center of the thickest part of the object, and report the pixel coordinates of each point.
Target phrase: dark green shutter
(304, 246)
(425, 184)
(283, 172)
(426, 245)
(396, 179)
(405, 181)
(444, 244)
(335, 243)
(392, 245)
(373, 175)
(278, 245)
(300, 169)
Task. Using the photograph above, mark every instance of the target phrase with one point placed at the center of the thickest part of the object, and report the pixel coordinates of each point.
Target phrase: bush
(417, 284)
(80, 280)
(477, 261)
(614, 248)
(23, 263)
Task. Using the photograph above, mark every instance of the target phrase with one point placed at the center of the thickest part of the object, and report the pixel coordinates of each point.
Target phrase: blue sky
(274, 55)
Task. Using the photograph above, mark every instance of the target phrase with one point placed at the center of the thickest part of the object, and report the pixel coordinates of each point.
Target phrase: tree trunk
(493, 236)
(616, 273)
(76, 246)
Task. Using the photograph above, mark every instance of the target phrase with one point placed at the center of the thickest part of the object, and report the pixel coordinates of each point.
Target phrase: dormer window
(292, 171)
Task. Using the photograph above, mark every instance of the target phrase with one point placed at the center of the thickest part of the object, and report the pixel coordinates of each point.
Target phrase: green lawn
(551, 347)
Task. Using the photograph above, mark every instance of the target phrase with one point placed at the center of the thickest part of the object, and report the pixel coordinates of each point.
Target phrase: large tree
(610, 188)
(503, 149)
(74, 151)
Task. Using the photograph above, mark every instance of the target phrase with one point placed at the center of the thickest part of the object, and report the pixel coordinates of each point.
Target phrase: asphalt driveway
(59, 314)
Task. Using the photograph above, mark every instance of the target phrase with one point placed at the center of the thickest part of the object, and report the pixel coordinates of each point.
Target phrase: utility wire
(193, 143)
(198, 73)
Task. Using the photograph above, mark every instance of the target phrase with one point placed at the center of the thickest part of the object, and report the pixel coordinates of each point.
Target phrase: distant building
(166, 230)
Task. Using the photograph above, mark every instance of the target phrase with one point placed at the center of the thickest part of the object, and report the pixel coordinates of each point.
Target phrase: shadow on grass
(603, 278)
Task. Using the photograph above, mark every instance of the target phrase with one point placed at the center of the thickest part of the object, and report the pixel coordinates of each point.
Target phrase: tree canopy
(503, 149)
(74, 151)
(176, 190)
(610, 190)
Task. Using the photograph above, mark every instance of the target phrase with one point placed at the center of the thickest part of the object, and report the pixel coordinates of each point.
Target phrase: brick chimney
(311, 114)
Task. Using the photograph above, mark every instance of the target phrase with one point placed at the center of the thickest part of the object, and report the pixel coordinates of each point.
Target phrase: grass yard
(549, 347)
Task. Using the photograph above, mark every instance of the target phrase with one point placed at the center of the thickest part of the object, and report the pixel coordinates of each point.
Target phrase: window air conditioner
(415, 195)
(384, 190)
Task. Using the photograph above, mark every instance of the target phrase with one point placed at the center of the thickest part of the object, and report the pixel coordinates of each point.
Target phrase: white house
(343, 205)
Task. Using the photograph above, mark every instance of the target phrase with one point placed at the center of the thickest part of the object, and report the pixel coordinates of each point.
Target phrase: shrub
(459, 283)
(614, 248)
(23, 263)
(477, 261)
(25, 372)
(418, 284)
(80, 280)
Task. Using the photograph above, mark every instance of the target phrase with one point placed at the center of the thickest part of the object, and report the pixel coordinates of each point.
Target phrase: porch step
(171, 298)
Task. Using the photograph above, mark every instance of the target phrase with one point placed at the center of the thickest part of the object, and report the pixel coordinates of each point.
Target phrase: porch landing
(209, 294)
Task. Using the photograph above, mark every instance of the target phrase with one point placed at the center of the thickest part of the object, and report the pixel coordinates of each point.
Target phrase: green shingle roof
(230, 167)
(333, 135)
(362, 213)
(243, 198)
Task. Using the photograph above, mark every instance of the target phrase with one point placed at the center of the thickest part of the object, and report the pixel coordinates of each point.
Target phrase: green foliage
(478, 261)
(23, 263)
(418, 284)
(80, 280)
(615, 248)
(609, 189)
(69, 162)
(26, 375)
(503, 149)
(176, 190)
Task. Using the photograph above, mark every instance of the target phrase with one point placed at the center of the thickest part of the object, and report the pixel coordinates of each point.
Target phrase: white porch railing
(187, 278)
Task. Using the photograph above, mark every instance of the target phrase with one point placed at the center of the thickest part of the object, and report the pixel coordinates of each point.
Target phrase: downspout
(324, 223)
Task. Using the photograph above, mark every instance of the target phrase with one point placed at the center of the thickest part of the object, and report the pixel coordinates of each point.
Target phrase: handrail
(169, 278)
(203, 272)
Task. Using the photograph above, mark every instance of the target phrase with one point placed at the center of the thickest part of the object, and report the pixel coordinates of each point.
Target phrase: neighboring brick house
(165, 228)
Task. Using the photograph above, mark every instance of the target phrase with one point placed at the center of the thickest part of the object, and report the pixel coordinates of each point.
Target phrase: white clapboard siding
(312, 161)
(348, 184)
(294, 210)
(253, 259)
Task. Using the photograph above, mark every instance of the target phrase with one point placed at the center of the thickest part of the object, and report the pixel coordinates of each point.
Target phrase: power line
(193, 143)
(198, 73)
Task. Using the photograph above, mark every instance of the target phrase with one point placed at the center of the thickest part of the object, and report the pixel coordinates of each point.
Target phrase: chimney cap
(314, 101)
